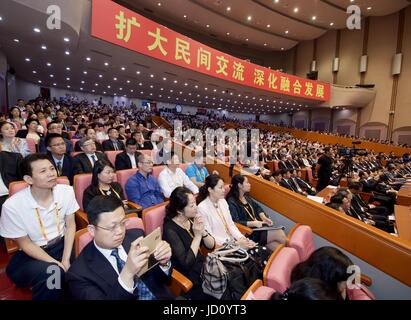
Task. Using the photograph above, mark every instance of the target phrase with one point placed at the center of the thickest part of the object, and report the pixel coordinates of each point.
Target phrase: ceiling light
(82, 82)
(268, 25)
(286, 31)
(67, 52)
(115, 79)
(108, 87)
(314, 18)
(96, 84)
(185, 16)
(54, 84)
(68, 79)
(93, 90)
(85, 72)
(175, 81)
(88, 59)
(106, 64)
(296, 9)
(186, 84)
(36, 30)
(265, 44)
(1, 18)
(159, 4)
(138, 72)
(282, 48)
(100, 76)
(51, 76)
(44, 47)
(151, 75)
(246, 39)
(332, 23)
(249, 18)
(27, 59)
(16, 40)
(66, 39)
(369, 8)
(228, 8)
(131, 90)
(208, 26)
(128, 81)
(68, 69)
(68, 87)
(34, 71)
(121, 89)
(48, 64)
(276, 1)
(196, 86)
(104, 92)
(39, 81)
(123, 68)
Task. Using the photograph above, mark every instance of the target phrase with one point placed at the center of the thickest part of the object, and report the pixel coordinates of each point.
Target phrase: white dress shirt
(218, 222)
(133, 160)
(169, 180)
(89, 156)
(19, 215)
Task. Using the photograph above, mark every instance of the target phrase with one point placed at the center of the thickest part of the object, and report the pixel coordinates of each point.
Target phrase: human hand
(162, 253)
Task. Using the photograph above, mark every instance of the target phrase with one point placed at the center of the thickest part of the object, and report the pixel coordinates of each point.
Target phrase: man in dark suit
(141, 143)
(62, 161)
(129, 158)
(107, 267)
(9, 172)
(84, 162)
(90, 133)
(113, 144)
(54, 127)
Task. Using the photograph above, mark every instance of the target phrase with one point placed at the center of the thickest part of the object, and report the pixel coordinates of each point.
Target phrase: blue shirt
(144, 191)
(195, 171)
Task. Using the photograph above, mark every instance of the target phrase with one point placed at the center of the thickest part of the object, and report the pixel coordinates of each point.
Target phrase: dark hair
(355, 185)
(308, 289)
(326, 263)
(30, 120)
(50, 137)
(276, 173)
(334, 205)
(98, 168)
(110, 129)
(88, 129)
(11, 110)
(2, 124)
(210, 182)
(100, 204)
(131, 142)
(234, 190)
(25, 165)
(178, 201)
(50, 124)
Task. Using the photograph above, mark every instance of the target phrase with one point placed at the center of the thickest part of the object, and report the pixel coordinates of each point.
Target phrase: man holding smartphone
(107, 267)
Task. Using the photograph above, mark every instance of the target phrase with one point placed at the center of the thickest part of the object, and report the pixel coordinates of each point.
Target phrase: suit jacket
(305, 186)
(99, 147)
(82, 164)
(68, 166)
(109, 146)
(92, 277)
(146, 146)
(9, 166)
(288, 185)
(123, 160)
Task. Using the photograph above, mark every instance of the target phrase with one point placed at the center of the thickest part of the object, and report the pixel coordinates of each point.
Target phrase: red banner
(123, 27)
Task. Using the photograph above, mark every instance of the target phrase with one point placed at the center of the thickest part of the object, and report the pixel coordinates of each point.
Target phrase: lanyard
(200, 173)
(43, 231)
(251, 214)
(111, 189)
(221, 215)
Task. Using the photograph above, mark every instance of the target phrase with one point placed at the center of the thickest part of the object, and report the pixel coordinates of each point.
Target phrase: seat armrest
(81, 220)
(179, 283)
(366, 280)
(243, 229)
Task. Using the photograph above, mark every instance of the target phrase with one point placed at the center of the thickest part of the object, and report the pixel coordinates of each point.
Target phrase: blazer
(239, 213)
(83, 164)
(146, 146)
(10, 166)
(109, 146)
(68, 166)
(123, 160)
(92, 277)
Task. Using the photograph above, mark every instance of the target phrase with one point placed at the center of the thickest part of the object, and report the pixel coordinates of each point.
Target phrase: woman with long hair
(216, 214)
(16, 118)
(185, 232)
(102, 183)
(9, 142)
(246, 211)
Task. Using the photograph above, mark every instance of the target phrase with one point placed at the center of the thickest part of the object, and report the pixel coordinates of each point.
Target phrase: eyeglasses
(55, 127)
(89, 144)
(122, 224)
(147, 162)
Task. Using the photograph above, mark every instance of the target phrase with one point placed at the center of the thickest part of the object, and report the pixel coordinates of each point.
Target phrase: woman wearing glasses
(102, 183)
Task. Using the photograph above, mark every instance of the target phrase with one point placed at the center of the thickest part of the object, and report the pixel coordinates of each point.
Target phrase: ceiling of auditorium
(261, 24)
(76, 61)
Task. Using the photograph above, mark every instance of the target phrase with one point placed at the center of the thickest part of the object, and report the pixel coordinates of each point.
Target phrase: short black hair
(100, 204)
(50, 137)
(25, 165)
(30, 120)
(110, 129)
(131, 142)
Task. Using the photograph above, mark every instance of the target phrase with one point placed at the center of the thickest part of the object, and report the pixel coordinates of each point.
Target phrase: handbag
(228, 272)
(260, 255)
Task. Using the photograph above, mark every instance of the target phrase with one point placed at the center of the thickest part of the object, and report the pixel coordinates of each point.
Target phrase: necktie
(115, 145)
(144, 293)
(94, 159)
(59, 169)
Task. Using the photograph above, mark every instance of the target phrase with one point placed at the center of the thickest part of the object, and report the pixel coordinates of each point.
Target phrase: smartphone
(150, 241)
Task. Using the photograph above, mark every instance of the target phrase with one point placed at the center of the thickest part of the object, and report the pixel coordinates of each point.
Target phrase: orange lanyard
(43, 231)
(221, 215)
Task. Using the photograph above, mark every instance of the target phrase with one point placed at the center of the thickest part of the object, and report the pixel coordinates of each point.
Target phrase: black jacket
(123, 160)
(92, 277)
(109, 146)
(82, 163)
(10, 167)
(68, 166)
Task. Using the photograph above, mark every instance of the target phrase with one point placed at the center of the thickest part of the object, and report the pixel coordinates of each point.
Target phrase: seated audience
(184, 230)
(246, 211)
(107, 267)
(216, 215)
(128, 158)
(31, 132)
(41, 219)
(9, 142)
(9, 172)
(143, 188)
(54, 127)
(113, 143)
(172, 177)
(197, 172)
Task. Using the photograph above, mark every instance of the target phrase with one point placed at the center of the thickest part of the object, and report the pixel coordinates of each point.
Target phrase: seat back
(146, 152)
(122, 177)
(81, 182)
(301, 239)
(184, 166)
(153, 217)
(310, 175)
(74, 153)
(83, 237)
(73, 142)
(276, 168)
(31, 145)
(258, 292)
(71, 133)
(111, 155)
(361, 293)
(277, 272)
(157, 170)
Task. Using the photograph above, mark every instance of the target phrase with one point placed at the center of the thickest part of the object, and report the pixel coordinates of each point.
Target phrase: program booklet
(151, 241)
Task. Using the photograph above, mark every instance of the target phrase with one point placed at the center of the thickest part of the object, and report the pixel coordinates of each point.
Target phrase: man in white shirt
(107, 267)
(41, 220)
(172, 177)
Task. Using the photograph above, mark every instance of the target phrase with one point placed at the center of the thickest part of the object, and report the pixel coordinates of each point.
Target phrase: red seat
(111, 155)
(74, 153)
(122, 177)
(157, 170)
(153, 217)
(146, 152)
(258, 292)
(310, 175)
(277, 272)
(184, 166)
(73, 142)
(301, 239)
(81, 182)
